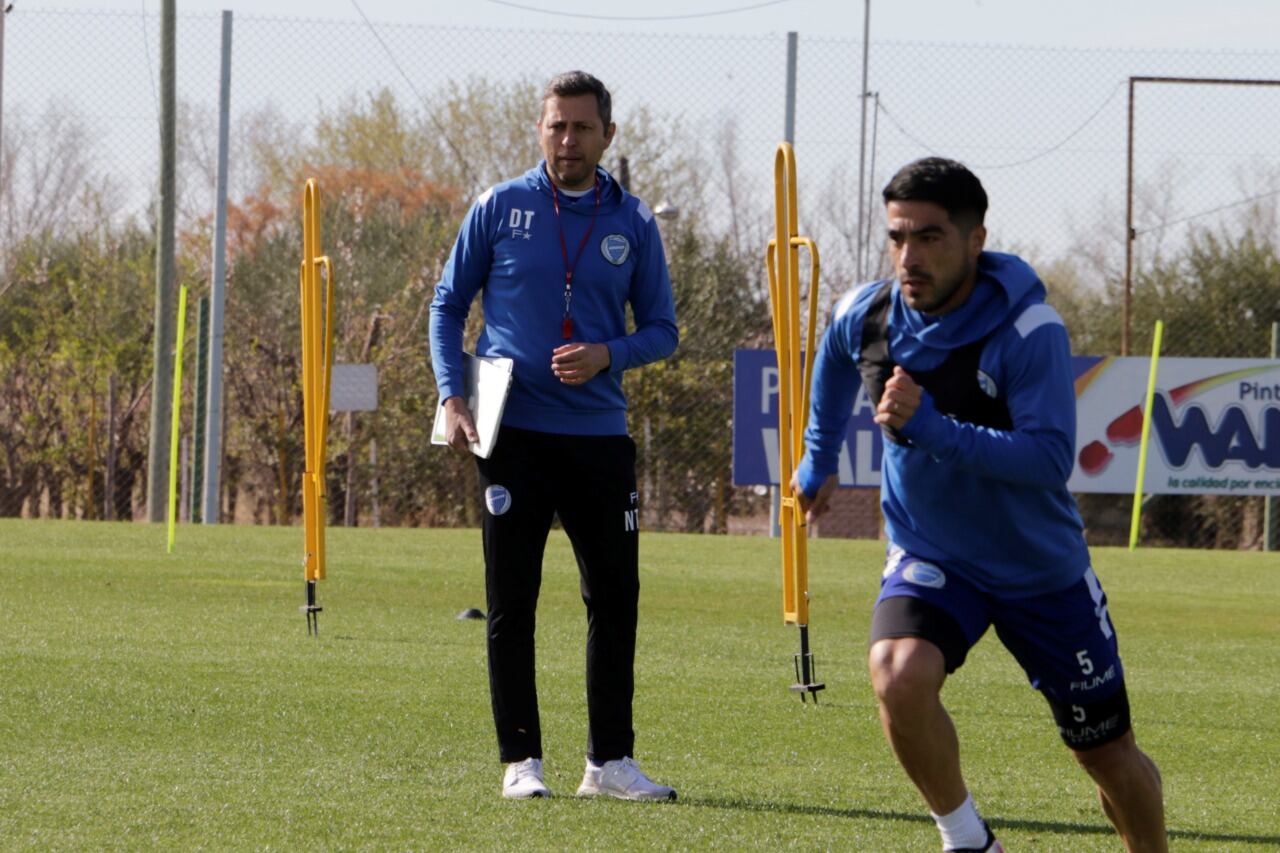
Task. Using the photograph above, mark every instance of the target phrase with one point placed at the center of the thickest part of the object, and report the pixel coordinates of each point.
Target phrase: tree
(75, 316)
(48, 187)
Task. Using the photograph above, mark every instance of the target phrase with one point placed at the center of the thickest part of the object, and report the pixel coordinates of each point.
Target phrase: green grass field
(175, 701)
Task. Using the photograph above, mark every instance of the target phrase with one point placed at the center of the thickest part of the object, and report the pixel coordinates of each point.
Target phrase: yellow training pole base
(312, 610)
(806, 670)
(312, 508)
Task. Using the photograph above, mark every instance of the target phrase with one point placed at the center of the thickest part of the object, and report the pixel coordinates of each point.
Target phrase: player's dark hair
(947, 184)
(572, 83)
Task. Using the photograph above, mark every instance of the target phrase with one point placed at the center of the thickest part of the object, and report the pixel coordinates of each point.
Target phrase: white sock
(961, 828)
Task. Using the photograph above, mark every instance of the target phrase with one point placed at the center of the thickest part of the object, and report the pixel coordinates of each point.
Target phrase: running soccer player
(970, 374)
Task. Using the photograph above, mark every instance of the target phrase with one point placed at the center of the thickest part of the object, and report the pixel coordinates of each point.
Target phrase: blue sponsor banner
(1215, 426)
(755, 427)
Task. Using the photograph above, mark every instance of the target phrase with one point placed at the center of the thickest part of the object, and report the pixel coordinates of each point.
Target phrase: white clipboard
(488, 379)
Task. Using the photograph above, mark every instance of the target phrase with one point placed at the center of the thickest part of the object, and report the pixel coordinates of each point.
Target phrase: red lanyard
(566, 325)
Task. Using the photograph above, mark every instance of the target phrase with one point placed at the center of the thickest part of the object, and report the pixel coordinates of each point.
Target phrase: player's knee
(905, 670)
(1105, 758)
(1118, 758)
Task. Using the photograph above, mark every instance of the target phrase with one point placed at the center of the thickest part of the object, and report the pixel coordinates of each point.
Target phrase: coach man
(558, 254)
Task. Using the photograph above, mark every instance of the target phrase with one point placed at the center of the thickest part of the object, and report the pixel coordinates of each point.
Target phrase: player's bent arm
(1041, 398)
(1040, 459)
(835, 385)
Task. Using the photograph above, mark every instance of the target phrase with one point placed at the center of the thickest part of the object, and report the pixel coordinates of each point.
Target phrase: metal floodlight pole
(871, 188)
(199, 420)
(162, 366)
(861, 250)
(1128, 233)
(217, 294)
(4, 13)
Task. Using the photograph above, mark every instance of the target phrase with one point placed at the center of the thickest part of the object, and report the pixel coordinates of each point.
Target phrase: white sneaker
(624, 780)
(523, 779)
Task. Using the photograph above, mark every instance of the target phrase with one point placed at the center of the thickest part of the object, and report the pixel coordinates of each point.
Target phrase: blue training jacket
(990, 504)
(509, 248)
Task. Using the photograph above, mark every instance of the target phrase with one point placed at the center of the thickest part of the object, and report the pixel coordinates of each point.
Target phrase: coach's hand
(820, 502)
(459, 426)
(899, 401)
(574, 364)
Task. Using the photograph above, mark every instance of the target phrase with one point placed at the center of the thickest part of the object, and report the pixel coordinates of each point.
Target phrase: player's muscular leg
(907, 674)
(1131, 792)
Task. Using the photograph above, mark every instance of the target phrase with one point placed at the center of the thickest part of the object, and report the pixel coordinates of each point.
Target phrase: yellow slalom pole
(782, 259)
(316, 282)
(177, 410)
(1146, 434)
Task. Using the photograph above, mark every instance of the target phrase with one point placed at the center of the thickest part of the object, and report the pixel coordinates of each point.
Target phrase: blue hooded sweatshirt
(509, 248)
(989, 504)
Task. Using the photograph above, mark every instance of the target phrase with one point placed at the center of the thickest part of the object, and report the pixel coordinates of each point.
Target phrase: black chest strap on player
(953, 384)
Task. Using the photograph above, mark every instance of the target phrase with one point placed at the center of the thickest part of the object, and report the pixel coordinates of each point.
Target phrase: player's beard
(944, 290)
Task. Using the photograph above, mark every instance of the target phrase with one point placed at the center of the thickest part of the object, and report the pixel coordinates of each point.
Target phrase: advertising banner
(1215, 426)
(755, 427)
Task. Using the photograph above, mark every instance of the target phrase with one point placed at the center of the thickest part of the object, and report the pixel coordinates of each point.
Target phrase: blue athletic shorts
(1063, 640)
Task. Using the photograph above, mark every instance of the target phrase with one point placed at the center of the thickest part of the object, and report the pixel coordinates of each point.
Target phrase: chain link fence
(404, 125)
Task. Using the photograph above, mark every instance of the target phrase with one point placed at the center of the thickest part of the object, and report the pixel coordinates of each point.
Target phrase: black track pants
(590, 482)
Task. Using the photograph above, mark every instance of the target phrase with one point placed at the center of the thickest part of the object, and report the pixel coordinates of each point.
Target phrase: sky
(1231, 25)
(1050, 147)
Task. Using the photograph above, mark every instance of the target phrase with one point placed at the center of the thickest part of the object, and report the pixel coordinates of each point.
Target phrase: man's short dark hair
(947, 184)
(572, 83)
